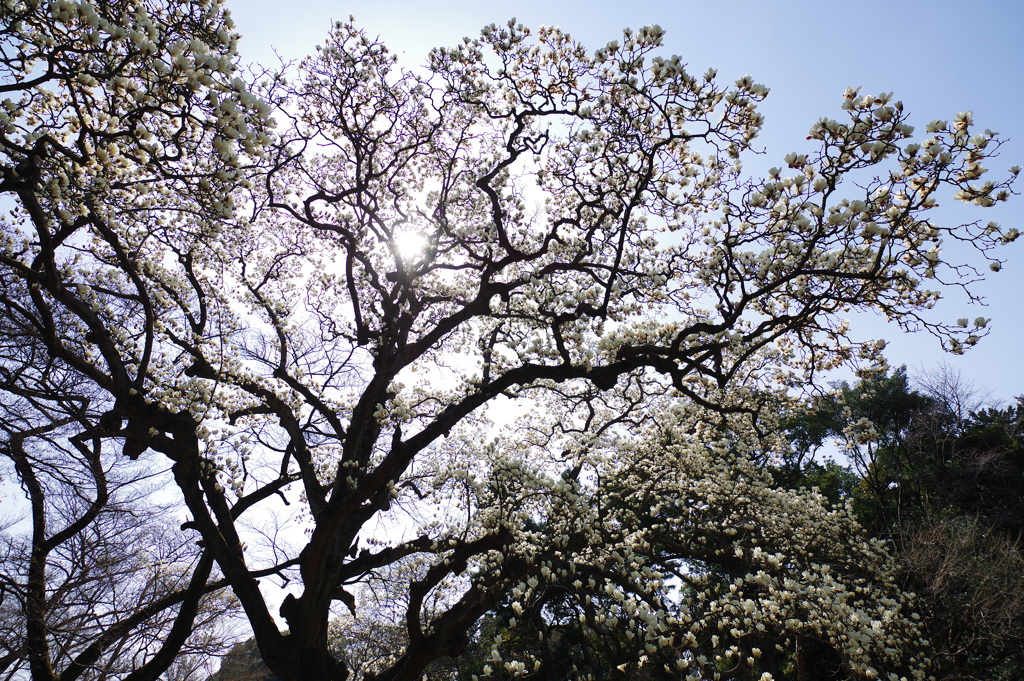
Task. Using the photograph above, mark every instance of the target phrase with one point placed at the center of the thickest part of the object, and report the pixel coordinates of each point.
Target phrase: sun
(410, 245)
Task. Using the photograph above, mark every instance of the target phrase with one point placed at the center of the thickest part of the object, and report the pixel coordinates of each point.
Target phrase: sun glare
(410, 244)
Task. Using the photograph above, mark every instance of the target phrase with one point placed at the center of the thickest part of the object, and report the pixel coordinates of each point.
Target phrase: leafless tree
(95, 580)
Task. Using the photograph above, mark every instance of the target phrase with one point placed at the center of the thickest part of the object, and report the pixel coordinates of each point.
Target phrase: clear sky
(939, 57)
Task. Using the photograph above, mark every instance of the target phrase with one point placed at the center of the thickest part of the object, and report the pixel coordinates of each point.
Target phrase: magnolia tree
(323, 311)
(679, 558)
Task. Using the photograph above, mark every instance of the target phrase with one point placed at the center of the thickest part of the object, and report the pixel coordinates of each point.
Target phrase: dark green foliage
(837, 482)
(946, 486)
(989, 476)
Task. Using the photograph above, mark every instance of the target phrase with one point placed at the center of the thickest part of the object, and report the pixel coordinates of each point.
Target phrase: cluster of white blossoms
(127, 134)
(671, 541)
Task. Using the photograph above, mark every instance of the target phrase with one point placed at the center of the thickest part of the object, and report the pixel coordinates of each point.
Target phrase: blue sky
(940, 58)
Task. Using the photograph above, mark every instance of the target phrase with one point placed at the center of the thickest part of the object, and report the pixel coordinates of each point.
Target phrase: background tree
(252, 310)
(243, 663)
(943, 482)
(95, 581)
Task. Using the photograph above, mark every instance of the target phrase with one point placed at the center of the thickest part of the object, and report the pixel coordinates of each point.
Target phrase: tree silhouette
(248, 305)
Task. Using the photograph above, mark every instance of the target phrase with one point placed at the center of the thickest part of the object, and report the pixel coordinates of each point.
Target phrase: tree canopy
(311, 288)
